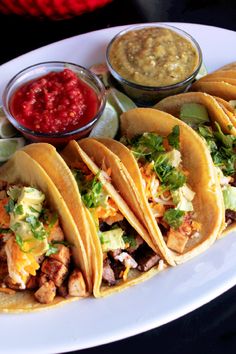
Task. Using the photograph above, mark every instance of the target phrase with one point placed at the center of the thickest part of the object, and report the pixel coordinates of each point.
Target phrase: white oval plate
(159, 300)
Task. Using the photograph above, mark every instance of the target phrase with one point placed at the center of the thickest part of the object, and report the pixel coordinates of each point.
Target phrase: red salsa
(55, 103)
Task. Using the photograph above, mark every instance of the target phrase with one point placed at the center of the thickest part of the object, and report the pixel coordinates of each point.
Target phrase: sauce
(153, 56)
(54, 103)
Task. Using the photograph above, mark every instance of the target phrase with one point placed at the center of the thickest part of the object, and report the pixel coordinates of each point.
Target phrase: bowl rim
(181, 32)
(60, 135)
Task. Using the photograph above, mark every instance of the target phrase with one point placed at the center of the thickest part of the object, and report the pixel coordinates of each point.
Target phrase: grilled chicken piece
(62, 255)
(176, 241)
(46, 293)
(9, 283)
(42, 279)
(55, 270)
(56, 234)
(76, 284)
(107, 273)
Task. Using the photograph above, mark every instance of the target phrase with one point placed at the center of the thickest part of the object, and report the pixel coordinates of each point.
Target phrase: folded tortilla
(218, 111)
(196, 160)
(47, 156)
(22, 169)
(220, 83)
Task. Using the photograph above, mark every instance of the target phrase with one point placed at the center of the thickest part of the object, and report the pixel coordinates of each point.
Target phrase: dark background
(212, 328)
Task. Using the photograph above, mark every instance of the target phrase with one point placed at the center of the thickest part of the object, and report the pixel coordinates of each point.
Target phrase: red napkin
(53, 9)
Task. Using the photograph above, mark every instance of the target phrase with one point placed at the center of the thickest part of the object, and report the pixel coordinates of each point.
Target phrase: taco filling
(34, 254)
(223, 152)
(165, 183)
(123, 249)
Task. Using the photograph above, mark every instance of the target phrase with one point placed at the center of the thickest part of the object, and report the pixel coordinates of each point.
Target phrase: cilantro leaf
(130, 240)
(9, 207)
(174, 218)
(173, 137)
(51, 250)
(146, 145)
(18, 210)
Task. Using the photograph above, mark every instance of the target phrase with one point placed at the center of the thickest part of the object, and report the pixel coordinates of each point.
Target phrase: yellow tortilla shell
(22, 169)
(207, 203)
(221, 89)
(72, 152)
(173, 104)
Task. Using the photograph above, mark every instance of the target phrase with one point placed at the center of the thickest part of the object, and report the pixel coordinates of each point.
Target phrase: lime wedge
(6, 129)
(202, 72)
(9, 146)
(107, 125)
(120, 101)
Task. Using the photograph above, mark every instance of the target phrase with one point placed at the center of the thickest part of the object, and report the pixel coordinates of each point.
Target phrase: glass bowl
(34, 72)
(145, 94)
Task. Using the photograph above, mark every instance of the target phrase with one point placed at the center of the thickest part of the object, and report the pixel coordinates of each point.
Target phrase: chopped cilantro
(52, 221)
(37, 227)
(19, 241)
(221, 147)
(18, 210)
(9, 207)
(173, 137)
(174, 218)
(90, 189)
(146, 145)
(5, 231)
(33, 210)
(51, 250)
(130, 240)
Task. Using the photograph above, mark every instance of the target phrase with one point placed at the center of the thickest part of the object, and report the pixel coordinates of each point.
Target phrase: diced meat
(9, 283)
(230, 216)
(233, 183)
(115, 253)
(46, 293)
(62, 290)
(62, 255)
(3, 270)
(107, 273)
(176, 241)
(76, 284)
(56, 234)
(138, 242)
(32, 283)
(146, 258)
(55, 270)
(4, 216)
(3, 185)
(104, 226)
(112, 219)
(42, 279)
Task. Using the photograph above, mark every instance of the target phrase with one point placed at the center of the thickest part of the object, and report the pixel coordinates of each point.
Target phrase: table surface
(211, 328)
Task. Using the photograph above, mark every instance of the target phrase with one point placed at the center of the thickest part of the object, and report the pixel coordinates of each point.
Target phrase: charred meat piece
(118, 268)
(32, 283)
(230, 216)
(146, 258)
(9, 283)
(108, 275)
(62, 290)
(62, 255)
(46, 293)
(103, 226)
(76, 284)
(3, 194)
(42, 279)
(3, 270)
(115, 253)
(55, 270)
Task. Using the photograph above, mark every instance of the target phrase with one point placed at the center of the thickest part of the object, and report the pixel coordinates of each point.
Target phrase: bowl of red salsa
(54, 102)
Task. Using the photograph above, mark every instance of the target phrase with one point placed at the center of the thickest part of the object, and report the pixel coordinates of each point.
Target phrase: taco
(219, 137)
(121, 251)
(42, 258)
(172, 178)
(220, 83)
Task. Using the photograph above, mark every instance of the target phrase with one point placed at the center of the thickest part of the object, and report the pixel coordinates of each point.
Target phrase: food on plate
(168, 170)
(153, 56)
(118, 246)
(42, 257)
(220, 83)
(208, 117)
